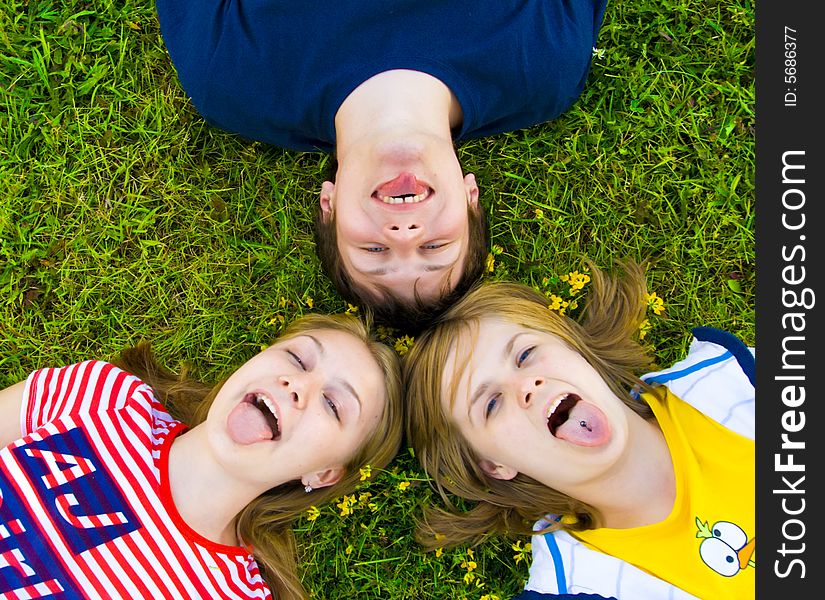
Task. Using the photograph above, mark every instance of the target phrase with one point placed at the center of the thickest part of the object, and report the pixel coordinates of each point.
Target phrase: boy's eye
(491, 405)
(332, 406)
(297, 359)
(524, 355)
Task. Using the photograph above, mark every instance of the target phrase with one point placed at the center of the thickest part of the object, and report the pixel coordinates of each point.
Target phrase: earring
(307, 488)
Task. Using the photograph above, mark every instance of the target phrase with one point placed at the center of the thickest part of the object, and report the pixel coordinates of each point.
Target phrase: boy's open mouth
(404, 189)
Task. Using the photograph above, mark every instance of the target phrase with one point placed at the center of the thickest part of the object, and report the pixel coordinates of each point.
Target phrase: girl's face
(298, 410)
(526, 402)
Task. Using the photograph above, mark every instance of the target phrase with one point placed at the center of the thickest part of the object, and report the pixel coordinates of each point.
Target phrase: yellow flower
(366, 472)
(364, 498)
(277, 320)
(576, 280)
(470, 552)
(351, 309)
(558, 304)
(439, 552)
(655, 303)
(468, 578)
(522, 552)
(644, 327)
(403, 344)
(539, 213)
(490, 597)
(490, 263)
(313, 513)
(403, 485)
(309, 302)
(346, 505)
(348, 551)
(470, 565)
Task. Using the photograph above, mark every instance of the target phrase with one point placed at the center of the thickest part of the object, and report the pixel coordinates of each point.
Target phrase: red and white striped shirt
(85, 504)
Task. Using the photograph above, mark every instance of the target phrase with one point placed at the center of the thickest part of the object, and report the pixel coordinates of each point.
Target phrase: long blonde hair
(605, 338)
(265, 523)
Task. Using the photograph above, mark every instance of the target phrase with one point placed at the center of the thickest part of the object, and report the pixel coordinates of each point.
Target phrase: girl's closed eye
(297, 359)
(333, 407)
(525, 354)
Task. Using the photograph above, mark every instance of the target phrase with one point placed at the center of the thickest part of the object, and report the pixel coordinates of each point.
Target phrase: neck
(643, 487)
(396, 105)
(194, 477)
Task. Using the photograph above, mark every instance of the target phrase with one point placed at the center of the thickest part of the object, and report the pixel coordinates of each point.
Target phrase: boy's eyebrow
(384, 270)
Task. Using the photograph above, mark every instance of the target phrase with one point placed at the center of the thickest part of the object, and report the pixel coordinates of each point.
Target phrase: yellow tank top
(706, 545)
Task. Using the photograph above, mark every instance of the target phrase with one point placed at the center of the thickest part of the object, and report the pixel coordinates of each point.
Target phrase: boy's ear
(496, 470)
(471, 189)
(326, 199)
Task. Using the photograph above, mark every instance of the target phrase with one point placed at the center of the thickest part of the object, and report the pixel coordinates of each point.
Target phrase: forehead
(459, 363)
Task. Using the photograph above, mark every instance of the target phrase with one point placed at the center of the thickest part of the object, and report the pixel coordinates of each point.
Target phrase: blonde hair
(265, 524)
(605, 338)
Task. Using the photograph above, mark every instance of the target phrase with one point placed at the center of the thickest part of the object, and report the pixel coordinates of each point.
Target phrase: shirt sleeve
(531, 595)
(85, 387)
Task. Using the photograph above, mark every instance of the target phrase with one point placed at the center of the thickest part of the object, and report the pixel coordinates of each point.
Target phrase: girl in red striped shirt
(125, 480)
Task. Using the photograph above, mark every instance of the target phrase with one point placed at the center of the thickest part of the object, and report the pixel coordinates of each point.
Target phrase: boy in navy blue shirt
(389, 87)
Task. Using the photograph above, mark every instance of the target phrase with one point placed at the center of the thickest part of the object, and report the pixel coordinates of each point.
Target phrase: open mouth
(406, 188)
(560, 411)
(264, 404)
(405, 198)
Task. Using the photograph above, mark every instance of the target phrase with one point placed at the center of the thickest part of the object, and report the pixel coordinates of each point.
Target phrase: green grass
(124, 217)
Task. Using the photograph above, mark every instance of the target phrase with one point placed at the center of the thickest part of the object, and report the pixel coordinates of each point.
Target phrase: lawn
(124, 217)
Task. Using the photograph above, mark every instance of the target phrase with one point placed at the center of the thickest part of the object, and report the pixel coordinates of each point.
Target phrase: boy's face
(402, 221)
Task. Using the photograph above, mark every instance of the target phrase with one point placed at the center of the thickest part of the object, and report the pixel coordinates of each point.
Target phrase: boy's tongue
(586, 425)
(404, 185)
(247, 425)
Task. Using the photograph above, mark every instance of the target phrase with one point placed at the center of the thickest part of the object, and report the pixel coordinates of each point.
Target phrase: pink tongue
(403, 185)
(247, 425)
(586, 425)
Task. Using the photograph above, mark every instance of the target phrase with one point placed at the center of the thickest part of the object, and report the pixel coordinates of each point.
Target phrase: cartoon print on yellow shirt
(725, 548)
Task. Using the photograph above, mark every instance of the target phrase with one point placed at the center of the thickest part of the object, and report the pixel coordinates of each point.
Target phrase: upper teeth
(555, 405)
(261, 398)
(405, 199)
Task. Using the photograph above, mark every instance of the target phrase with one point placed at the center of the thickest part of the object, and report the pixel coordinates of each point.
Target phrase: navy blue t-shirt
(277, 72)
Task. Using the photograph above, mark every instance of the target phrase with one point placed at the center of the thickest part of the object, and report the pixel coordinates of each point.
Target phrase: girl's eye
(297, 359)
(491, 405)
(332, 406)
(432, 246)
(524, 356)
(375, 249)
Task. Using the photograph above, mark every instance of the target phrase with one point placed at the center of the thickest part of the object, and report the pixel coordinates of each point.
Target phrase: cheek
(354, 220)
(452, 222)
